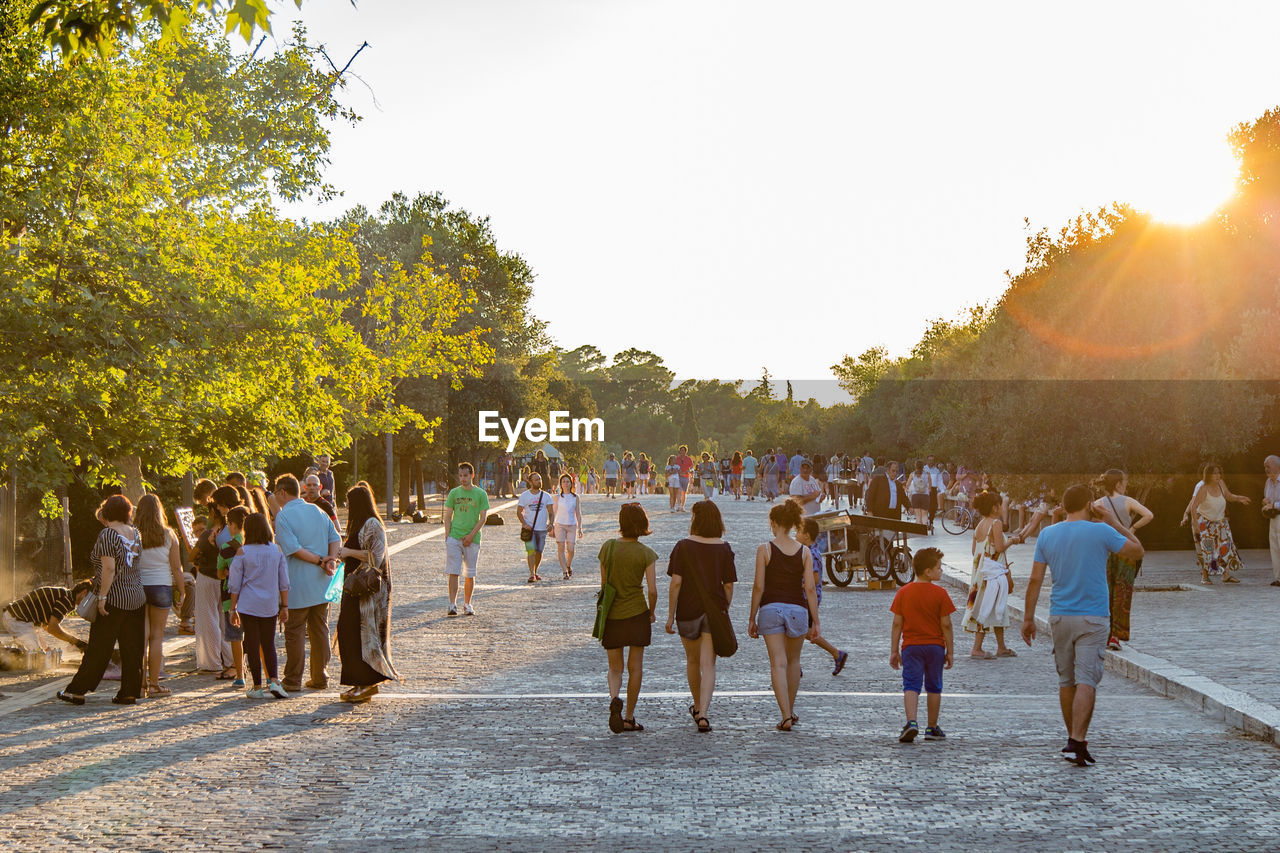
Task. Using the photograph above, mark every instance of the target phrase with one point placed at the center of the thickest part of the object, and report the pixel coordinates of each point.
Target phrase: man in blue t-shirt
(1076, 551)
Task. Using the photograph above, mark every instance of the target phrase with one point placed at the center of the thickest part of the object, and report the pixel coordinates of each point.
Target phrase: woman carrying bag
(702, 577)
(364, 619)
(121, 607)
(1121, 573)
(627, 566)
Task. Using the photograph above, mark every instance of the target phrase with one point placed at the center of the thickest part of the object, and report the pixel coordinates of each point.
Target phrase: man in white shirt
(937, 483)
(806, 489)
(531, 512)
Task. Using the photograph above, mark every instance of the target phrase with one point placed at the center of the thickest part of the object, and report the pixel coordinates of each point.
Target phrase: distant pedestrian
(566, 515)
(259, 585)
(685, 463)
(806, 490)
(504, 485)
(918, 492)
(1215, 547)
(532, 511)
(465, 509)
(160, 567)
(937, 485)
(922, 642)
(735, 475)
(769, 475)
(793, 466)
(1076, 551)
(784, 606)
(807, 534)
(121, 607)
(1121, 573)
(612, 468)
(310, 544)
(311, 493)
(325, 474)
(628, 566)
(707, 474)
(644, 473)
(750, 466)
(1271, 512)
(629, 474)
(705, 553)
(364, 621)
(672, 472)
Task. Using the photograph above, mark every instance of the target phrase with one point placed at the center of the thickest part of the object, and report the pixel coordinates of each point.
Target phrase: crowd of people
(263, 561)
(266, 561)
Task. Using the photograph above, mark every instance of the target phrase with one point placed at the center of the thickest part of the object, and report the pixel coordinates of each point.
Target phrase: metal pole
(66, 538)
(9, 531)
(391, 482)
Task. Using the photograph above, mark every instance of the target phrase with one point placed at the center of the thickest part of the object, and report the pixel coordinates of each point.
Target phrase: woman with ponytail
(1121, 573)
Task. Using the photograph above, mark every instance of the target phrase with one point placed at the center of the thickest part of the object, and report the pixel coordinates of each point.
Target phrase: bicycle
(959, 518)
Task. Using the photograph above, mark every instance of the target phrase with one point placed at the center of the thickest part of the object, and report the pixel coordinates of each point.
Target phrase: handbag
(718, 623)
(604, 599)
(87, 609)
(365, 580)
(526, 533)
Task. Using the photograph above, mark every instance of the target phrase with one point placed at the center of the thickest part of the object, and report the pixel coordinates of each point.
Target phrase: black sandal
(615, 715)
(703, 725)
(785, 725)
(631, 726)
(693, 712)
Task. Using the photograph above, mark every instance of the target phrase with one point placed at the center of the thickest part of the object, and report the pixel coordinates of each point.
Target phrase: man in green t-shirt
(465, 510)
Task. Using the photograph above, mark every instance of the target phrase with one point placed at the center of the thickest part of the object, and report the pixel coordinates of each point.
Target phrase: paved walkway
(498, 740)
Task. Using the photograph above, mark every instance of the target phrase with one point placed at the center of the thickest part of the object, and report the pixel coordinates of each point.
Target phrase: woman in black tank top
(784, 606)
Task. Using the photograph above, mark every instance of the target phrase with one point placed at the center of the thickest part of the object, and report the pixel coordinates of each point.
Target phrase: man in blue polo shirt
(307, 537)
(1076, 551)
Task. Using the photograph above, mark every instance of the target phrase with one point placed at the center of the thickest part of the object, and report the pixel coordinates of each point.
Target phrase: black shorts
(632, 631)
(919, 501)
(611, 482)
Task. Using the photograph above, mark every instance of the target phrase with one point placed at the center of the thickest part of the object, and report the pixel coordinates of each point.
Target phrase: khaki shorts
(1079, 648)
(567, 533)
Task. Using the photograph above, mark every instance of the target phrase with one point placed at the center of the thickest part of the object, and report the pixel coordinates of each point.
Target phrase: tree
(858, 376)
(764, 391)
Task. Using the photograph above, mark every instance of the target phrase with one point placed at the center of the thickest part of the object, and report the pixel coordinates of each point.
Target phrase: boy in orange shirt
(922, 642)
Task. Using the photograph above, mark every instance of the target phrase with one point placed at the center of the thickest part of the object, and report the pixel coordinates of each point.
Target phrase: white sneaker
(274, 688)
(468, 610)
(255, 693)
(453, 610)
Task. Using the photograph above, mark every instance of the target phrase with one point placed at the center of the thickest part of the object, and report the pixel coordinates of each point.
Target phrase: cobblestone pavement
(498, 740)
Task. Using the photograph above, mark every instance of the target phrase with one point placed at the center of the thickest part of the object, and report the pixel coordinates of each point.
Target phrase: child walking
(922, 642)
(259, 584)
(808, 536)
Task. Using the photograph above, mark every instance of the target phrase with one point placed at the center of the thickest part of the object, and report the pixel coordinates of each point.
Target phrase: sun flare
(1188, 187)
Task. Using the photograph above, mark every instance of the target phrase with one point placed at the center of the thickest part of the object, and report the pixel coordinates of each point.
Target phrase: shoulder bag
(604, 599)
(87, 609)
(526, 533)
(365, 580)
(718, 622)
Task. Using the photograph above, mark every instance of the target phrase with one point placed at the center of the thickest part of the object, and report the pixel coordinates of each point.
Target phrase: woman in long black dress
(363, 623)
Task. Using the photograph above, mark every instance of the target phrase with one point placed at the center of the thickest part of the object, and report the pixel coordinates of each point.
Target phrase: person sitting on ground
(44, 607)
(808, 534)
(922, 627)
(628, 566)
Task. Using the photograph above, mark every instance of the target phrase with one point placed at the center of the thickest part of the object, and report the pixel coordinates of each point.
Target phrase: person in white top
(1215, 549)
(1271, 511)
(806, 489)
(1121, 573)
(833, 474)
(918, 492)
(937, 486)
(566, 515)
(160, 566)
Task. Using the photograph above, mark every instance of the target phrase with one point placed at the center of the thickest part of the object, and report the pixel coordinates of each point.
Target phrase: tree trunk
(130, 471)
(406, 482)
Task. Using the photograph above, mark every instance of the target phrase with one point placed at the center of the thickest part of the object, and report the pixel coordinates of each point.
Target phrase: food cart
(865, 547)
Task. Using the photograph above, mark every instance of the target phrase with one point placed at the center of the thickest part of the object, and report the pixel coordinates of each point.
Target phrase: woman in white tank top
(1215, 549)
(568, 523)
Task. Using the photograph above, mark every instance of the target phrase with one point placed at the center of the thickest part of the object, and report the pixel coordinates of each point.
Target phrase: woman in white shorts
(567, 517)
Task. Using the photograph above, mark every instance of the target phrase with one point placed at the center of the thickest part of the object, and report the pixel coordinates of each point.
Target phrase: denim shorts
(159, 595)
(776, 617)
(230, 633)
(537, 543)
(923, 665)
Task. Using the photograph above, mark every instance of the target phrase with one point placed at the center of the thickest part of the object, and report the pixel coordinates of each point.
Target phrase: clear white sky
(680, 173)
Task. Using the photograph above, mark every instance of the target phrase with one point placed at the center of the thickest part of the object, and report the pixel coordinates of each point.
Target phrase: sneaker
(256, 693)
(841, 660)
(274, 688)
(239, 682)
(468, 610)
(934, 733)
(908, 733)
(452, 611)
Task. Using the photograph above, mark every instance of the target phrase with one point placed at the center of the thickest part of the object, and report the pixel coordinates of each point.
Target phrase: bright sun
(1189, 186)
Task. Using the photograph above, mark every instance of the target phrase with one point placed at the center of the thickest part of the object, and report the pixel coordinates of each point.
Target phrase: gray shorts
(460, 559)
(1079, 648)
(692, 629)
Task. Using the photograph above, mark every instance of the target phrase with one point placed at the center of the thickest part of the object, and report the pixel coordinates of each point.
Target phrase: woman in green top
(626, 564)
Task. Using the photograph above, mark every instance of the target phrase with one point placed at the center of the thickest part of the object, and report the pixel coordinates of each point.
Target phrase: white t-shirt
(807, 493)
(936, 480)
(566, 510)
(529, 501)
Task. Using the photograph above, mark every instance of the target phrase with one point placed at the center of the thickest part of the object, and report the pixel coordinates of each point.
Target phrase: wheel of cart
(900, 564)
(841, 569)
(877, 556)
